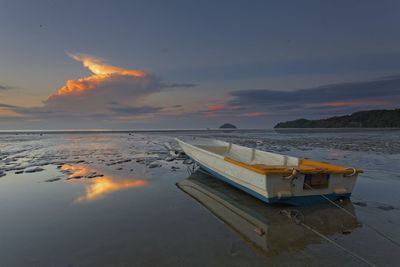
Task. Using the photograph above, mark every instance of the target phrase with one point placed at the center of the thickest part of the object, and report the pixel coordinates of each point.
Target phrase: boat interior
(267, 162)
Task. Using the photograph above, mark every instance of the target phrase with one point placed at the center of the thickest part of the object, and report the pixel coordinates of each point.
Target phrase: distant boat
(271, 177)
(267, 229)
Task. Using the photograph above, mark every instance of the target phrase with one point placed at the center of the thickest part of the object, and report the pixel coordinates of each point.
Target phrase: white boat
(271, 177)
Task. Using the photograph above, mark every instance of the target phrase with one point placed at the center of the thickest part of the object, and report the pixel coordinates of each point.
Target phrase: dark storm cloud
(385, 90)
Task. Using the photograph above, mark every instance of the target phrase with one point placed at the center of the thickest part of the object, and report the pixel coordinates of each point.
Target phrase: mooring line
(366, 224)
(298, 218)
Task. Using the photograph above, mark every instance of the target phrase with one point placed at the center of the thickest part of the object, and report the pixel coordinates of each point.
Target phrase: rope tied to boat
(351, 174)
(383, 235)
(292, 175)
(298, 218)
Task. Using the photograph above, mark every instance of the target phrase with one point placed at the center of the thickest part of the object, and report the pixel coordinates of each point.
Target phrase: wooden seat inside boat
(305, 166)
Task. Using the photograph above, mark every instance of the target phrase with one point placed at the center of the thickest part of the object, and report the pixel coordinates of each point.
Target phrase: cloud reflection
(98, 185)
(76, 171)
(101, 186)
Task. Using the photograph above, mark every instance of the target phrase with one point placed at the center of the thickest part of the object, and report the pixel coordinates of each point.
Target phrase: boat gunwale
(201, 149)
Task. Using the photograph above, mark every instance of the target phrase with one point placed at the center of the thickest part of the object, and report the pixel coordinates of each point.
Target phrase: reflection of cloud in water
(77, 171)
(98, 185)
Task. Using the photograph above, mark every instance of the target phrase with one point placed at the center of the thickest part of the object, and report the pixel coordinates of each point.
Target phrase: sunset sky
(194, 64)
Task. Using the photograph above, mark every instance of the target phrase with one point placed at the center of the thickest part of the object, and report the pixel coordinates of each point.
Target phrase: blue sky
(199, 58)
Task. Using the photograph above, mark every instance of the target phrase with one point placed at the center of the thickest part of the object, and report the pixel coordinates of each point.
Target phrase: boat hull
(293, 200)
(270, 188)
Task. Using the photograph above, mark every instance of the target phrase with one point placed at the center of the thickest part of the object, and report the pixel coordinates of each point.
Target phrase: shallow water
(101, 199)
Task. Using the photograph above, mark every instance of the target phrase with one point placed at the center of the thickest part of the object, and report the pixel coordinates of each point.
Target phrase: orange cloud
(215, 107)
(97, 66)
(254, 114)
(220, 109)
(355, 103)
(339, 104)
(212, 109)
(101, 73)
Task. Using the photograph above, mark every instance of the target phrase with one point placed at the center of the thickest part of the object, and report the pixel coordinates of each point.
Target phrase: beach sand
(111, 199)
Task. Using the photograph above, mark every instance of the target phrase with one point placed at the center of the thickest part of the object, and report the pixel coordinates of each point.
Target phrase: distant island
(361, 119)
(227, 126)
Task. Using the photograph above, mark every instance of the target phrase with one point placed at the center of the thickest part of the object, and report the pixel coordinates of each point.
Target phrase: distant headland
(361, 119)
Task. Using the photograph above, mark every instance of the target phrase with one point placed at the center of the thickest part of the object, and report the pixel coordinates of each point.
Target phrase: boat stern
(304, 189)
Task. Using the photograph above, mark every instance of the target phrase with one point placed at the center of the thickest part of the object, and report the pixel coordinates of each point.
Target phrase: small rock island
(227, 126)
(362, 119)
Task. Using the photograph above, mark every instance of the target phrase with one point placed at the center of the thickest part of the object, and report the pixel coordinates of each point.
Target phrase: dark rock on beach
(93, 175)
(53, 180)
(35, 169)
(154, 164)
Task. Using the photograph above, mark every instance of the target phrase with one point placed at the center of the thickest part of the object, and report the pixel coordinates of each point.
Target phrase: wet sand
(111, 199)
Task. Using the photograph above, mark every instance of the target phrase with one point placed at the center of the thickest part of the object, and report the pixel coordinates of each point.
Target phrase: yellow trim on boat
(311, 166)
(305, 166)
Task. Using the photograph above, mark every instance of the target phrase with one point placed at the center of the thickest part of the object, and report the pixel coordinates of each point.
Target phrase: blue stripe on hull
(296, 201)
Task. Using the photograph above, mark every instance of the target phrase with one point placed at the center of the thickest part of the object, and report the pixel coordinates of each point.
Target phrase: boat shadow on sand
(270, 229)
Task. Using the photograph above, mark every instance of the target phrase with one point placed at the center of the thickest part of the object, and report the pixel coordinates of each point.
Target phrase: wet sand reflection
(97, 185)
(266, 227)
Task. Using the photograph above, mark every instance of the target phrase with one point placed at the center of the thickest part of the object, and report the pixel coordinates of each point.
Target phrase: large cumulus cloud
(109, 92)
